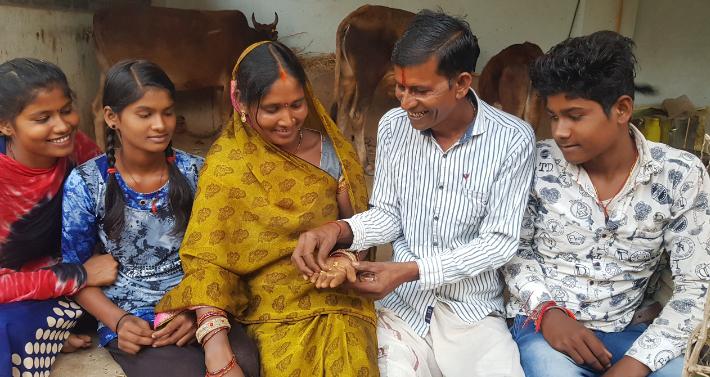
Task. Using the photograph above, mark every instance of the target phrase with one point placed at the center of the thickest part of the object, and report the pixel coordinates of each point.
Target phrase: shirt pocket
(645, 248)
(472, 207)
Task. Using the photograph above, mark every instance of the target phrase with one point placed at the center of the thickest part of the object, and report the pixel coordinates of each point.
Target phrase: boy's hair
(434, 33)
(598, 67)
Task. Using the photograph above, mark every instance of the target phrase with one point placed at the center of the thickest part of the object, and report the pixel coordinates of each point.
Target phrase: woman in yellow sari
(281, 168)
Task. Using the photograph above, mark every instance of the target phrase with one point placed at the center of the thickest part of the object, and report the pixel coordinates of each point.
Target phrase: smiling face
(582, 129)
(44, 130)
(280, 114)
(146, 125)
(428, 97)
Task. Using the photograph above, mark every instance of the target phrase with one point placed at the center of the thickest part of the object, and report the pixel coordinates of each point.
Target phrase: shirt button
(591, 283)
(445, 154)
(604, 235)
(435, 244)
(436, 218)
(441, 187)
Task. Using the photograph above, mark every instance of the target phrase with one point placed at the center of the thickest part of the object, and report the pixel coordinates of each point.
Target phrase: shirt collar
(476, 126)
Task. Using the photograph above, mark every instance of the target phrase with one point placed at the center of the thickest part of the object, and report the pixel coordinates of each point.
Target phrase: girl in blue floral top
(134, 202)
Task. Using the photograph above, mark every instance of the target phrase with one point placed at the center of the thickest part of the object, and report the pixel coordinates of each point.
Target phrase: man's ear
(623, 109)
(6, 128)
(463, 84)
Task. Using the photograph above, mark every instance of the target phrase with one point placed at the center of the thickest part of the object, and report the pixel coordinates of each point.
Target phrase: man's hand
(101, 270)
(628, 367)
(320, 240)
(570, 337)
(383, 277)
(133, 334)
(179, 331)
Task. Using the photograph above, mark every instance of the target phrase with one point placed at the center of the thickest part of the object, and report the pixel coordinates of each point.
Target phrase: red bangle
(539, 314)
(209, 314)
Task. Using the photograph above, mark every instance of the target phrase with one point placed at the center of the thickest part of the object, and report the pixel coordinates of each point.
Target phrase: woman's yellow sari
(252, 202)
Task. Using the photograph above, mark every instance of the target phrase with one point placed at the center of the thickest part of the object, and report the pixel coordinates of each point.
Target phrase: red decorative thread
(539, 314)
(170, 159)
(111, 170)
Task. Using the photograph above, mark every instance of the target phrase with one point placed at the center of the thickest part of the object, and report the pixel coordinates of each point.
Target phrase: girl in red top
(39, 145)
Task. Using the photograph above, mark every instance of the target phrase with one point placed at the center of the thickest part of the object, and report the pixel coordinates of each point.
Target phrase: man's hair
(599, 67)
(434, 33)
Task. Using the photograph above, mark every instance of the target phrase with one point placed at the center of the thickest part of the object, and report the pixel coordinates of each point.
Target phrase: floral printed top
(600, 269)
(147, 251)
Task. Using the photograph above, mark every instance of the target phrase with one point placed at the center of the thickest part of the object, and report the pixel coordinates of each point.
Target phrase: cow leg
(98, 111)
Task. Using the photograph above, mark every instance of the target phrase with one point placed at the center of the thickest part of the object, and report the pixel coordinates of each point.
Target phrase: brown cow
(505, 83)
(196, 48)
(364, 43)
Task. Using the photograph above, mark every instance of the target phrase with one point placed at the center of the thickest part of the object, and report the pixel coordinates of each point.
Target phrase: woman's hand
(338, 269)
(133, 334)
(218, 351)
(101, 270)
(179, 331)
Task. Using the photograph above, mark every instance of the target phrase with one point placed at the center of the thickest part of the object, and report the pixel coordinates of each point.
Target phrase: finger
(588, 356)
(128, 347)
(600, 352)
(364, 265)
(315, 277)
(336, 281)
(168, 329)
(186, 339)
(574, 355)
(310, 261)
(297, 257)
(137, 336)
(350, 273)
(323, 280)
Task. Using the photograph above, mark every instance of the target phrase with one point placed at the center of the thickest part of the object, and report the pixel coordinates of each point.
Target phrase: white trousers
(452, 348)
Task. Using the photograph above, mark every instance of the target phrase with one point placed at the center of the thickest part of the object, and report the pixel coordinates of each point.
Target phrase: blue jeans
(540, 360)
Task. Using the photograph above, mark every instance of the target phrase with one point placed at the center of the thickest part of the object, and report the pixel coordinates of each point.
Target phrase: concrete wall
(61, 37)
(673, 49)
(672, 36)
(310, 25)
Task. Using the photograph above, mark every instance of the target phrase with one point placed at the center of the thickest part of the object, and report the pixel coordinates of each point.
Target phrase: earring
(243, 117)
(112, 126)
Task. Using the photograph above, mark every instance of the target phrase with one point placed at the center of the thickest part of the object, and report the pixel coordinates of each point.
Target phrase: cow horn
(276, 20)
(256, 24)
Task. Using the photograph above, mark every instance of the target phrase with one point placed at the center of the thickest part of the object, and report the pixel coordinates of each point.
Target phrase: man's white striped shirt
(457, 213)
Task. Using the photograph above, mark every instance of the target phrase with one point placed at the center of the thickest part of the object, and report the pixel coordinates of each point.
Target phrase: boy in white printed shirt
(605, 204)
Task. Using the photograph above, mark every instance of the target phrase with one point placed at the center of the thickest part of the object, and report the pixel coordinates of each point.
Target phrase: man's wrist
(410, 271)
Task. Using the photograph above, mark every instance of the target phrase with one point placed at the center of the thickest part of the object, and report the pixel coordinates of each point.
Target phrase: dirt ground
(200, 120)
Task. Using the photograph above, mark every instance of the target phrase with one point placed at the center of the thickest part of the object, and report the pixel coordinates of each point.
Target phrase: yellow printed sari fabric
(333, 345)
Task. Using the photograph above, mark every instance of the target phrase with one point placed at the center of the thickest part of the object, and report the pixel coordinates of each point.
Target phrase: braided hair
(126, 83)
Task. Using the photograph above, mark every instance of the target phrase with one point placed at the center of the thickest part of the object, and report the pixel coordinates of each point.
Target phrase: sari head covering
(252, 202)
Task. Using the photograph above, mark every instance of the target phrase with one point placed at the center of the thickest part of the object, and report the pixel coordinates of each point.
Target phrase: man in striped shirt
(451, 183)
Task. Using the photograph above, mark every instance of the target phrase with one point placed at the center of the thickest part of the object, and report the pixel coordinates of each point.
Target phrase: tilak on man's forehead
(404, 83)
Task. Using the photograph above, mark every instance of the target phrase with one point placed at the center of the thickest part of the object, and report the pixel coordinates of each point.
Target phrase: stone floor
(92, 362)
